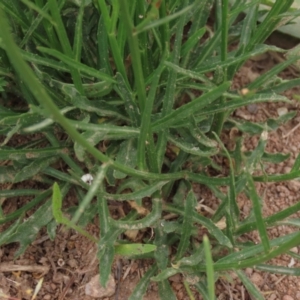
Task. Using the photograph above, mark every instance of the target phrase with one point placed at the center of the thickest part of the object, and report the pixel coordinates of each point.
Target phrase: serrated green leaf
(140, 193)
(101, 108)
(231, 105)
(126, 156)
(34, 168)
(26, 232)
(165, 290)
(105, 264)
(191, 148)
(93, 137)
(129, 101)
(165, 274)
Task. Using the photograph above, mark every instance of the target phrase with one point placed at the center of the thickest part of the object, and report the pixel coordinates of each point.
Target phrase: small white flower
(87, 178)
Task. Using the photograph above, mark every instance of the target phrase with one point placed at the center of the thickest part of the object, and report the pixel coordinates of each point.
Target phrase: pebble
(287, 297)
(257, 279)
(272, 297)
(175, 278)
(282, 111)
(252, 108)
(95, 290)
(72, 263)
(249, 271)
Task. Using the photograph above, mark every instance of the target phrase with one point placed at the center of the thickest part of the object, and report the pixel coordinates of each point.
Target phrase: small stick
(291, 131)
(5, 267)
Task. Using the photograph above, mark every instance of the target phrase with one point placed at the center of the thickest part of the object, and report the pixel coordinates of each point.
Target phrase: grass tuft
(141, 91)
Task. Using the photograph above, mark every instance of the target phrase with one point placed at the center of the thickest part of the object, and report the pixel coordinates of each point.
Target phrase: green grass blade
(31, 30)
(19, 192)
(145, 133)
(277, 178)
(259, 82)
(283, 86)
(271, 21)
(190, 108)
(134, 249)
(249, 27)
(258, 213)
(57, 203)
(235, 103)
(169, 98)
(103, 215)
(256, 250)
(287, 243)
(60, 175)
(205, 51)
(76, 65)
(43, 61)
(192, 41)
(215, 62)
(118, 59)
(144, 26)
(209, 269)
(91, 193)
(64, 40)
(57, 197)
(21, 154)
(189, 73)
(232, 209)
(135, 53)
(39, 11)
(77, 44)
(68, 160)
(103, 48)
(279, 270)
(187, 225)
(207, 223)
(296, 165)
